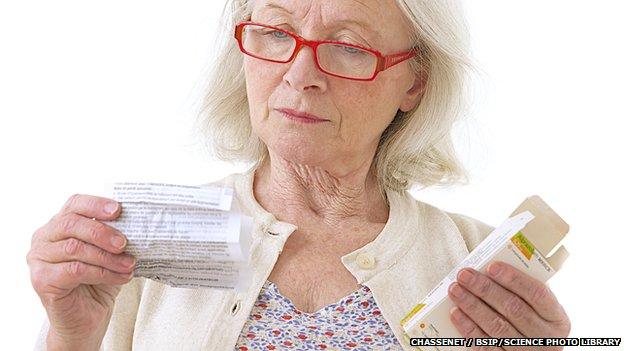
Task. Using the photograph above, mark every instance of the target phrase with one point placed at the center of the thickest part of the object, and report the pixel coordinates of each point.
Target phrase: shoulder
(472, 230)
(230, 179)
(240, 182)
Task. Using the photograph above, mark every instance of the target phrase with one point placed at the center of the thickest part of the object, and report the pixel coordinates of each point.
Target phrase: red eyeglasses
(335, 58)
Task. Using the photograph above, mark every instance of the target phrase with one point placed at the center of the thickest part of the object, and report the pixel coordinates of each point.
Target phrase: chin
(300, 153)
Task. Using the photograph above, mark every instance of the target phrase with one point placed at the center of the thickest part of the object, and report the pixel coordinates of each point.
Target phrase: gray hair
(415, 149)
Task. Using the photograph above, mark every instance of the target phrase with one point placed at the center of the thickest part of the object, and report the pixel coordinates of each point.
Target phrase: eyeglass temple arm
(391, 60)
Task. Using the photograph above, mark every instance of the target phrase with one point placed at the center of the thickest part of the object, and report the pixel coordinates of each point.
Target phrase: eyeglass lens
(342, 60)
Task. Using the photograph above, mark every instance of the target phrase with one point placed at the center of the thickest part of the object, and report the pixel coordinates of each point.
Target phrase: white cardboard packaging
(523, 241)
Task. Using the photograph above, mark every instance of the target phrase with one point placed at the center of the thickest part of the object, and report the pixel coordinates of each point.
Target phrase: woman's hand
(506, 303)
(76, 267)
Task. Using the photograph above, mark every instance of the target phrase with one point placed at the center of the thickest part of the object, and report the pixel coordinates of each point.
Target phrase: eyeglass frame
(383, 61)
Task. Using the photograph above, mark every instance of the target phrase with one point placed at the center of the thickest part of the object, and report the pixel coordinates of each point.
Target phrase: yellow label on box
(412, 312)
(524, 245)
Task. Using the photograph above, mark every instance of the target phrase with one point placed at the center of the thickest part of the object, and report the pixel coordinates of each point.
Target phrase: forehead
(375, 16)
(299, 8)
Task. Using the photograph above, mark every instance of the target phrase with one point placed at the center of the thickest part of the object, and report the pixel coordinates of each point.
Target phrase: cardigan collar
(365, 262)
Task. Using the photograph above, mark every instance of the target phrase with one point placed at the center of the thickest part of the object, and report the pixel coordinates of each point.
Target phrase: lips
(301, 116)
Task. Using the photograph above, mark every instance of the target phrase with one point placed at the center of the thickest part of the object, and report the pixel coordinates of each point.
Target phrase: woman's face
(355, 113)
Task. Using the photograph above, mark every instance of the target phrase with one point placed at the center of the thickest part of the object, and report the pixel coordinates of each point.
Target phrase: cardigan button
(235, 308)
(265, 227)
(365, 260)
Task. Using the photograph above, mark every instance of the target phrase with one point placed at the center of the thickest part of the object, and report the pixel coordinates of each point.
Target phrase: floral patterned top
(353, 323)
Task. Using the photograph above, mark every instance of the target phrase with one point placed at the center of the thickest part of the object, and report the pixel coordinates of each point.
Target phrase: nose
(303, 74)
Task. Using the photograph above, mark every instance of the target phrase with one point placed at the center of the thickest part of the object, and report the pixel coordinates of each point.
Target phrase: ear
(414, 94)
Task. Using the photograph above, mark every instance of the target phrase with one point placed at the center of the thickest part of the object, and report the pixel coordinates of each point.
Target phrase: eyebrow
(365, 27)
(272, 6)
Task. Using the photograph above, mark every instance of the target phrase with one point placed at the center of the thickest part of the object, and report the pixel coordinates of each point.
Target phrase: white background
(92, 92)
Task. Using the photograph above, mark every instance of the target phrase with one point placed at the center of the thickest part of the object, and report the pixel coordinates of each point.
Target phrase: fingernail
(454, 310)
(110, 207)
(456, 314)
(494, 269)
(128, 261)
(466, 277)
(118, 241)
(457, 291)
(458, 318)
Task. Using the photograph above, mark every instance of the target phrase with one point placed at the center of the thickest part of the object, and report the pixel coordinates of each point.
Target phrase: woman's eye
(352, 50)
(278, 34)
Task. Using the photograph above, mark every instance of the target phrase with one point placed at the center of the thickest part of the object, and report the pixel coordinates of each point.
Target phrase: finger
(509, 305)
(490, 321)
(531, 290)
(66, 276)
(468, 328)
(73, 249)
(92, 206)
(70, 225)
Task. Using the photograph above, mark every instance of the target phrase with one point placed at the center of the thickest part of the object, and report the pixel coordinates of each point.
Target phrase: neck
(304, 194)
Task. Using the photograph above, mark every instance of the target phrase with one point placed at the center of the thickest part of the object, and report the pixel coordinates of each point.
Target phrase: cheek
(262, 80)
(368, 108)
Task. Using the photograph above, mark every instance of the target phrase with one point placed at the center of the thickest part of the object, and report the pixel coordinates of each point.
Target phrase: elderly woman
(341, 106)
